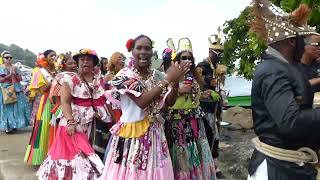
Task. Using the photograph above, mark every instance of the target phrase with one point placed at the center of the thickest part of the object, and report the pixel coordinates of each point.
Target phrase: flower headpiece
(62, 58)
(167, 53)
(41, 61)
(129, 45)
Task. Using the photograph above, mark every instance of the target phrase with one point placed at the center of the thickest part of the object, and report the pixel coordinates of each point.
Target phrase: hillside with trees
(24, 56)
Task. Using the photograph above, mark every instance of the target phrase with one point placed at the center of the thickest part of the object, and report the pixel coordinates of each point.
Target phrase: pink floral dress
(72, 157)
(138, 148)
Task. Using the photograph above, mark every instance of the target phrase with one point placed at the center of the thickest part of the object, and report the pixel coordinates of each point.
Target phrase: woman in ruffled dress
(39, 88)
(67, 66)
(138, 148)
(14, 113)
(184, 127)
(82, 100)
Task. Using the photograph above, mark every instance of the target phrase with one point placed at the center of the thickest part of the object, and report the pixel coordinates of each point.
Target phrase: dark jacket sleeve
(279, 99)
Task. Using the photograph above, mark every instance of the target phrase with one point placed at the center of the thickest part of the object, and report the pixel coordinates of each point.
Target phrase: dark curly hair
(47, 52)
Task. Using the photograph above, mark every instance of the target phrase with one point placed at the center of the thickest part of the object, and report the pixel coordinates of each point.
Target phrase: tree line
(24, 56)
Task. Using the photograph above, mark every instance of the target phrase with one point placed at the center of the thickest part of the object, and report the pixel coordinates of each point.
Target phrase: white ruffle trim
(80, 168)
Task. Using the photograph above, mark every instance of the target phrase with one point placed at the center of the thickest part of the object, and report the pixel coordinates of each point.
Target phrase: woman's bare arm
(172, 97)
(146, 98)
(66, 100)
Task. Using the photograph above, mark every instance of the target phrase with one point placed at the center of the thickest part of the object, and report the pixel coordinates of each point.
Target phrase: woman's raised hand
(177, 70)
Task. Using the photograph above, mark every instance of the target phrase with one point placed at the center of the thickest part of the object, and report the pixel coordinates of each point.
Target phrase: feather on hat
(272, 24)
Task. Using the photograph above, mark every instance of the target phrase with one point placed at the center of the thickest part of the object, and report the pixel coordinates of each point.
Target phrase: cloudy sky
(106, 25)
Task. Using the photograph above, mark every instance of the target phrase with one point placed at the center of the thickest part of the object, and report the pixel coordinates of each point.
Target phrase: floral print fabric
(188, 144)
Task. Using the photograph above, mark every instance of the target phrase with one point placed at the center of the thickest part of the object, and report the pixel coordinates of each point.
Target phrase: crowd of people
(99, 118)
(103, 118)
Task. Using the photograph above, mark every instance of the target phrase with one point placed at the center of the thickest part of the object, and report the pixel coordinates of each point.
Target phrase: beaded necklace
(142, 76)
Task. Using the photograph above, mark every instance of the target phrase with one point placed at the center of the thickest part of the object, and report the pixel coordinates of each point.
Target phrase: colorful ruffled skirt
(38, 146)
(188, 144)
(138, 151)
(70, 158)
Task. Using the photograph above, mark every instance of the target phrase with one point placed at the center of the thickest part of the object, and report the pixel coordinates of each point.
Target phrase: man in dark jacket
(287, 127)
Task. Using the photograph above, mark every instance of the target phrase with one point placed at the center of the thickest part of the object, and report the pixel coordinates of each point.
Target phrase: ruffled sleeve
(79, 89)
(37, 81)
(55, 87)
(70, 80)
(126, 82)
(58, 81)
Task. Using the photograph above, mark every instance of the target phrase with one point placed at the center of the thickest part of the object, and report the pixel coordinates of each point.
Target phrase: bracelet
(71, 122)
(163, 88)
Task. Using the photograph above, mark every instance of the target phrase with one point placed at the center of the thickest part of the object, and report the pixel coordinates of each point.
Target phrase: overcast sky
(106, 25)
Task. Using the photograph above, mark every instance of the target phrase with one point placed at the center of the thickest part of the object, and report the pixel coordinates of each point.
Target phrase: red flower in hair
(41, 61)
(129, 44)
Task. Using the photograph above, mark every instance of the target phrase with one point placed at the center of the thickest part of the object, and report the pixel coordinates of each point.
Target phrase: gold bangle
(162, 87)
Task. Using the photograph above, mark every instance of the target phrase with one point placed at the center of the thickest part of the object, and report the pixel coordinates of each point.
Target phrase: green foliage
(241, 45)
(245, 48)
(26, 57)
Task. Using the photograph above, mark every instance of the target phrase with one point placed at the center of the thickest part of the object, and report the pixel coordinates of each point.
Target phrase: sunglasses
(8, 57)
(185, 58)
